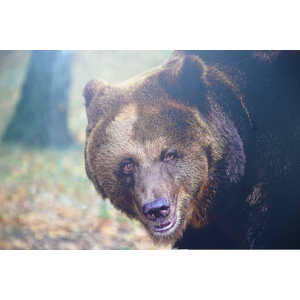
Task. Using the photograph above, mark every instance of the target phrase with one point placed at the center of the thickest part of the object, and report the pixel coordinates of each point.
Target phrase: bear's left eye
(170, 155)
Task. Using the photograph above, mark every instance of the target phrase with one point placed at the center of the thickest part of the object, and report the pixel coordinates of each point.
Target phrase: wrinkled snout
(156, 209)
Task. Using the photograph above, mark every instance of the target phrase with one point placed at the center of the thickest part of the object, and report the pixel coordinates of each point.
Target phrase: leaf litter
(47, 202)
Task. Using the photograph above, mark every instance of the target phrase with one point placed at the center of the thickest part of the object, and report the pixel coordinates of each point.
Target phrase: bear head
(155, 143)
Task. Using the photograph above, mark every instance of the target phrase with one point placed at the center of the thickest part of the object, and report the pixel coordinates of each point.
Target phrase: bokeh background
(46, 200)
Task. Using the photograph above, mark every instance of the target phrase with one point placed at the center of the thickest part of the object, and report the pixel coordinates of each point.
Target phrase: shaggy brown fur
(203, 152)
(146, 146)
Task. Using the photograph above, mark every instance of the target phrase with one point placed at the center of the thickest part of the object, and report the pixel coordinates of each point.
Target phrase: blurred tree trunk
(40, 119)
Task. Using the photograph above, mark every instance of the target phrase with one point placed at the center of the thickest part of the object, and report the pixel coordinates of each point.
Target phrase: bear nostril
(156, 209)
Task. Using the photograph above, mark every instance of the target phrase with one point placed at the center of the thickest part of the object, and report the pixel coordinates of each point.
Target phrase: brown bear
(196, 154)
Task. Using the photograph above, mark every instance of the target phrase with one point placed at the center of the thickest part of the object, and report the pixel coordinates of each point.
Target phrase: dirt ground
(46, 200)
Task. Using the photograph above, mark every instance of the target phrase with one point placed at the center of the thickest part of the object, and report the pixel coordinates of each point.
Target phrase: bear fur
(203, 150)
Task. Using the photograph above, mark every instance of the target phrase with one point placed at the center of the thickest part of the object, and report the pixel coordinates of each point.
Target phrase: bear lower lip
(165, 225)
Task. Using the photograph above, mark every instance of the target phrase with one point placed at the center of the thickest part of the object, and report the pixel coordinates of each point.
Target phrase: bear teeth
(163, 224)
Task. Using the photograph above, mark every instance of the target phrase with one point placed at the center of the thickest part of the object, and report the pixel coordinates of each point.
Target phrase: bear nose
(156, 209)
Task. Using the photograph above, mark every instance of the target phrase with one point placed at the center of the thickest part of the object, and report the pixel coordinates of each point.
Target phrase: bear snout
(156, 209)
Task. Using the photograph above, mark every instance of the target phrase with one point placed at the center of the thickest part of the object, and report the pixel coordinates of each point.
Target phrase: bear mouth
(165, 226)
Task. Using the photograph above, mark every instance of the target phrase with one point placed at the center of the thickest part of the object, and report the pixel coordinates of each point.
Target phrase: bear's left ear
(184, 77)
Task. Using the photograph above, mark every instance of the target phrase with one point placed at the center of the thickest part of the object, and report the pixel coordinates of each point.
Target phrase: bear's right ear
(92, 88)
(92, 91)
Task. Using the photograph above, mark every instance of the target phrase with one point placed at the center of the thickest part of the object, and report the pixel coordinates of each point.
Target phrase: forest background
(46, 200)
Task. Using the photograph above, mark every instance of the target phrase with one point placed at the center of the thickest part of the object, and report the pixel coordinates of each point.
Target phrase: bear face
(158, 158)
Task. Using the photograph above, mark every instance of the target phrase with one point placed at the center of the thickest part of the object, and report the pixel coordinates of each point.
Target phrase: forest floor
(47, 202)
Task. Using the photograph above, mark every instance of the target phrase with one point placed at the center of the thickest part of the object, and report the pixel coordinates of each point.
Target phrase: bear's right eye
(127, 167)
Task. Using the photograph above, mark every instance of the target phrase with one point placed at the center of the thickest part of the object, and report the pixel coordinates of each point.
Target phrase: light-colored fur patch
(121, 128)
(120, 131)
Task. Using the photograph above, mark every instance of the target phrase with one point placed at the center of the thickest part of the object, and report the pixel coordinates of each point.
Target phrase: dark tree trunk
(40, 119)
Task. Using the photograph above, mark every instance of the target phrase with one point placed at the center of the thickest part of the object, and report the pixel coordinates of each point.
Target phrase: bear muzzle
(157, 211)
